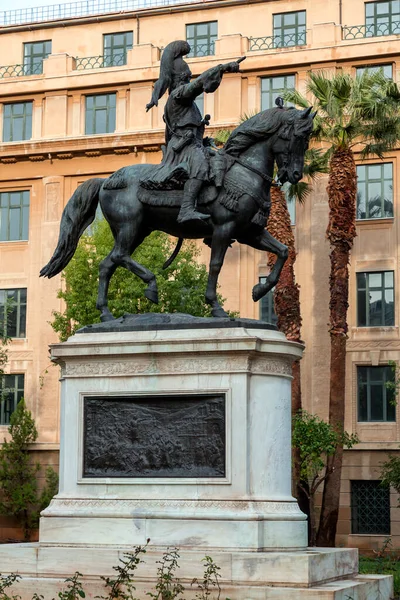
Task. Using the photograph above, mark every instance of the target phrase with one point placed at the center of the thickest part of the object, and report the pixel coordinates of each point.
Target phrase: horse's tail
(78, 214)
(174, 254)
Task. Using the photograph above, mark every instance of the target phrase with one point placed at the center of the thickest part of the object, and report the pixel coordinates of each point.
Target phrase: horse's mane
(263, 124)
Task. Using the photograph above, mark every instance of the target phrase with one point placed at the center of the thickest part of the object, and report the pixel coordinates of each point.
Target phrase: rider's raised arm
(207, 82)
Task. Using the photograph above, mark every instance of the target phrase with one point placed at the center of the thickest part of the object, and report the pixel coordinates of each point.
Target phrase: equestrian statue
(197, 191)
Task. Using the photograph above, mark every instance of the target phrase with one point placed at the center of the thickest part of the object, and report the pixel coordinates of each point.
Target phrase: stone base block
(315, 574)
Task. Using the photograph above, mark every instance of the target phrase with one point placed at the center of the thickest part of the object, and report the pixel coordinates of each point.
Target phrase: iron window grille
(14, 216)
(11, 392)
(290, 29)
(267, 310)
(370, 508)
(375, 299)
(34, 54)
(201, 37)
(375, 191)
(17, 122)
(272, 87)
(376, 402)
(13, 312)
(387, 70)
(100, 114)
(115, 47)
(382, 18)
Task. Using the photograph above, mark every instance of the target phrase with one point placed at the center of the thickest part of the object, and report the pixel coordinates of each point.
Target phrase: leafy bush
(19, 495)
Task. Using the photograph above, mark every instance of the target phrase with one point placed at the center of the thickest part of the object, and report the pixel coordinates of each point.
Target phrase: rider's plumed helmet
(173, 70)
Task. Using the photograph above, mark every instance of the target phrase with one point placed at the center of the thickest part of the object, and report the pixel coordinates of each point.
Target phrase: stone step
(363, 587)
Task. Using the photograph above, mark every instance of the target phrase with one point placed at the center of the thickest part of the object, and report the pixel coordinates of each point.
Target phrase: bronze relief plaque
(154, 436)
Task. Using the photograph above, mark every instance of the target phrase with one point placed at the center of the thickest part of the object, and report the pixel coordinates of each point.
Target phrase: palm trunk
(287, 309)
(342, 191)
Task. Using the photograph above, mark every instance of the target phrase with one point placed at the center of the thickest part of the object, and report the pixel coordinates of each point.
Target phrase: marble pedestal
(235, 505)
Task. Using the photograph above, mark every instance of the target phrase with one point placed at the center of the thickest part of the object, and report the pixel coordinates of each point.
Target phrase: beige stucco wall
(60, 156)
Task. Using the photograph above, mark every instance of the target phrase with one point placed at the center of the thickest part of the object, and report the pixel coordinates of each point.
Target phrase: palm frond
(296, 98)
(222, 135)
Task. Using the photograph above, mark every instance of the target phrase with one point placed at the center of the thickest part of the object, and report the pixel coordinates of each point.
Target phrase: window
(14, 216)
(382, 18)
(100, 113)
(115, 46)
(386, 69)
(17, 122)
(11, 392)
(290, 29)
(201, 37)
(375, 299)
(200, 103)
(13, 320)
(267, 312)
(375, 401)
(34, 54)
(375, 191)
(272, 87)
(370, 508)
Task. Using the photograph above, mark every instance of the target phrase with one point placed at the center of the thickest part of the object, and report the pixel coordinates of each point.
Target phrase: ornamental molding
(382, 344)
(171, 366)
(116, 506)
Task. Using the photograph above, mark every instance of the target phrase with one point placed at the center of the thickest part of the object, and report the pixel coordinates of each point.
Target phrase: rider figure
(186, 158)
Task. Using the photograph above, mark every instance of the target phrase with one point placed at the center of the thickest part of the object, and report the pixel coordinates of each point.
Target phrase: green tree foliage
(19, 495)
(315, 441)
(390, 473)
(181, 286)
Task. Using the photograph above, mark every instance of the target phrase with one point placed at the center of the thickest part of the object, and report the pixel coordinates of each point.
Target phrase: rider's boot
(188, 211)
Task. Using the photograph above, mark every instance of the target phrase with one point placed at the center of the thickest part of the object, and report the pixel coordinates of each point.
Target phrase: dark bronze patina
(197, 191)
(168, 436)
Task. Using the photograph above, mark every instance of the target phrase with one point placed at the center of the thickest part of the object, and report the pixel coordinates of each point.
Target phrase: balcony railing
(354, 32)
(206, 49)
(21, 70)
(99, 62)
(269, 42)
(83, 8)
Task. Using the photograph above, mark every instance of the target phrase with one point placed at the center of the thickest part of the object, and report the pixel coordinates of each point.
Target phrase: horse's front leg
(268, 243)
(219, 244)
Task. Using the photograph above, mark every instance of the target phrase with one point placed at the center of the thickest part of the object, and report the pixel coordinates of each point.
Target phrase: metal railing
(268, 42)
(99, 62)
(206, 49)
(21, 70)
(82, 8)
(354, 32)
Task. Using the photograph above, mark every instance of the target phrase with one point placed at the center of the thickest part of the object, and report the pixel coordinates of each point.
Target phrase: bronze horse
(239, 209)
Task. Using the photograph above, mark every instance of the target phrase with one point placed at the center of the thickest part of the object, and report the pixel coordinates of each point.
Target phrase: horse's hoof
(151, 294)
(107, 316)
(258, 291)
(219, 313)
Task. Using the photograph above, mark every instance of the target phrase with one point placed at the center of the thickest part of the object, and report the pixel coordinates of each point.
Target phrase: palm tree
(362, 115)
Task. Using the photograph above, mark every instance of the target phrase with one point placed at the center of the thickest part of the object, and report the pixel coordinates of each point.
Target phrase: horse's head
(291, 143)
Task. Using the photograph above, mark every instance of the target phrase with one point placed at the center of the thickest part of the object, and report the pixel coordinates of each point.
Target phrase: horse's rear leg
(267, 243)
(127, 240)
(219, 244)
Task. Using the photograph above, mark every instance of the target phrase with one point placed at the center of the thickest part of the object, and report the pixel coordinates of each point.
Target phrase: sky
(14, 4)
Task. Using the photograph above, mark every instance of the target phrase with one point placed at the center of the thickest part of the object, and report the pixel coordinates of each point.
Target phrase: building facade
(73, 90)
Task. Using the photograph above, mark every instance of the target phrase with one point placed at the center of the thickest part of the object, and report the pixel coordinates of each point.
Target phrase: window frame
(110, 60)
(371, 382)
(372, 27)
(17, 391)
(27, 119)
(373, 68)
(193, 40)
(111, 110)
(355, 509)
(269, 93)
(17, 305)
(266, 305)
(31, 65)
(300, 38)
(24, 215)
(367, 290)
(366, 181)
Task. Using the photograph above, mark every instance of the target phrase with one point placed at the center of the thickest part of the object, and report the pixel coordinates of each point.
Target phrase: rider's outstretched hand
(233, 67)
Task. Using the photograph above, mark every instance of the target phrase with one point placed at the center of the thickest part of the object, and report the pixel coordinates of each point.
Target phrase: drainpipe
(138, 28)
(340, 12)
